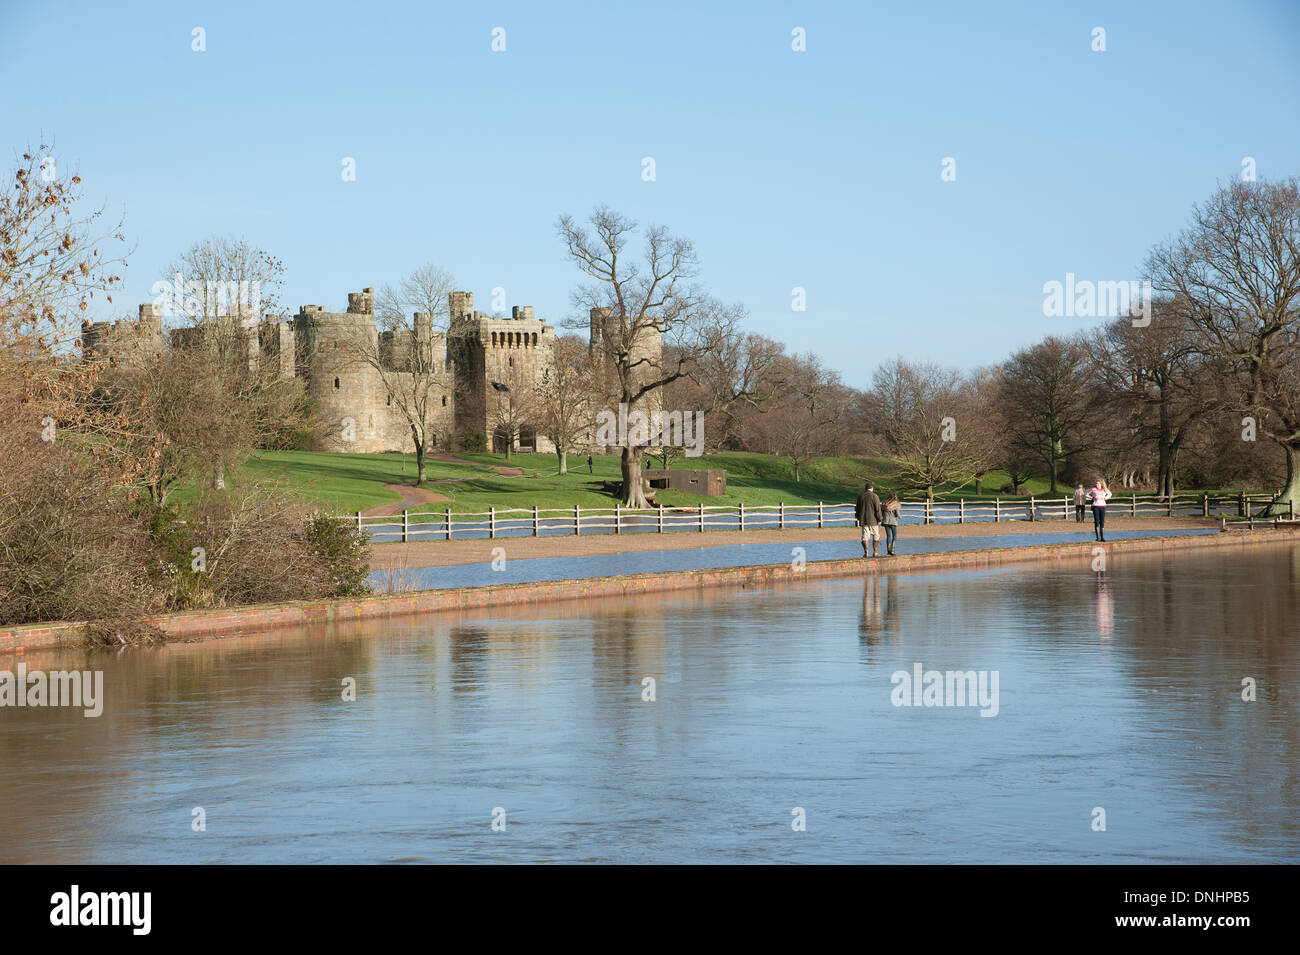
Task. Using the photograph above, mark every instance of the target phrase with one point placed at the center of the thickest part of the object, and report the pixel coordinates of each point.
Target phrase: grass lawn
(343, 483)
(346, 483)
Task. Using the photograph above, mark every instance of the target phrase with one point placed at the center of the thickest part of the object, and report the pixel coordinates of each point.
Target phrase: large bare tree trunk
(633, 494)
(563, 455)
(1291, 490)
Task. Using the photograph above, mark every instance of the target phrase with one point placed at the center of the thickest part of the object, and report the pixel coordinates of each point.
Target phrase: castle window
(512, 363)
(444, 401)
(390, 399)
(336, 382)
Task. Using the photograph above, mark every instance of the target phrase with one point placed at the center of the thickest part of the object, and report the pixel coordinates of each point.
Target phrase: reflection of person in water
(1105, 608)
(876, 619)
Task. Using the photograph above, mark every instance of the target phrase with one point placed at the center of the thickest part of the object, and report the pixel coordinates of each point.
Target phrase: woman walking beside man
(1097, 497)
(891, 508)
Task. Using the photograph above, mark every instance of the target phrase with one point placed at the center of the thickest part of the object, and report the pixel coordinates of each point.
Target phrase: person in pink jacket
(1097, 497)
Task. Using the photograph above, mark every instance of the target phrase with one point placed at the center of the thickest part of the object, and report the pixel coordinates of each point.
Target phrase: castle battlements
(355, 399)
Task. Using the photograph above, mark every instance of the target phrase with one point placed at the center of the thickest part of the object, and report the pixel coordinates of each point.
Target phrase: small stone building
(711, 482)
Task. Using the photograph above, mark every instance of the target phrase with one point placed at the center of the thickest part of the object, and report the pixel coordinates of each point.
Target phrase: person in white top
(1097, 497)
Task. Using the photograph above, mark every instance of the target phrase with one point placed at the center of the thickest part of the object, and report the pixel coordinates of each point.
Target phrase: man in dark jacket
(867, 510)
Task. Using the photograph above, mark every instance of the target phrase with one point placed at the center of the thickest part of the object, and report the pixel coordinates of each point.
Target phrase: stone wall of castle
(123, 340)
(356, 404)
(480, 364)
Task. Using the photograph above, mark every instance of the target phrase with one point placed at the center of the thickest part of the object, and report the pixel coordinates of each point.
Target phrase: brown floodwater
(1120, 692)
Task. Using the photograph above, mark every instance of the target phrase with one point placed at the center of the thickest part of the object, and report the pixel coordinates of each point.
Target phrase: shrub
(473, 441)
(344, 552)
(256, 544)
(72, 546)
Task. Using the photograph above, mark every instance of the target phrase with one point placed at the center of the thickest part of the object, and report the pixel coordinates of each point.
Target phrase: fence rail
(518, 521)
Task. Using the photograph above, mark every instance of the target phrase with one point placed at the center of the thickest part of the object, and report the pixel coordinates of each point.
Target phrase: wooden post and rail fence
(534, 521)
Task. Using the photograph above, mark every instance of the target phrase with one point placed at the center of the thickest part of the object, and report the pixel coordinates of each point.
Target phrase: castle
(474, 363)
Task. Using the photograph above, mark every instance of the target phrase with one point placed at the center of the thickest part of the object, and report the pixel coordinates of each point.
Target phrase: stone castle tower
(480, 365)
(497, 361)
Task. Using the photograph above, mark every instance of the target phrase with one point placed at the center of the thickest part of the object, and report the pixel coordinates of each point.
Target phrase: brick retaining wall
(235, 620)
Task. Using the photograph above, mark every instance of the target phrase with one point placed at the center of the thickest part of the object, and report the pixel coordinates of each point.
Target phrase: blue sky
(817, 169)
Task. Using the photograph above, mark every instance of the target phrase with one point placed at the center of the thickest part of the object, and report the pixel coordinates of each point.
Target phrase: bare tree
(568, 398)
(54, 257)
(223, 287)
(917, 405)
(806, 420)
(680, 394)
(741, 372)
(514, 406)
(643, 308)
(410, 355)
(1236, 268)
(1156, 378)
(425, 290)
(1045, 397)
(982, 428)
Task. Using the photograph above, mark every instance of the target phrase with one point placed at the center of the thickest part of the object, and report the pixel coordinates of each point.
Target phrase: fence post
(742, 516)
(661, 518)
(821, 516)
(1031, 507)
(1290, 507)
(1241, 504)
(997, 509)
(618, 519)
(1248, 508)
(536, 528)
(1205, 504)
(961, 510)
(449, 523)
(780, 516)
(358, 522)
(406, 525)
(1133, 511)
(492, 522)
(577, 520)
(1065, 508)
(701, 518)
(1170, 510)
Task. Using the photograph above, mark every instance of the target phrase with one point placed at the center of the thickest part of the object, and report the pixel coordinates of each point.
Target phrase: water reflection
(1121, 690)
(1105, 608)
(879, 610)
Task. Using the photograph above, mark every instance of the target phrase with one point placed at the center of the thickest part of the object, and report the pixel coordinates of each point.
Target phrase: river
(773, 734)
